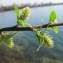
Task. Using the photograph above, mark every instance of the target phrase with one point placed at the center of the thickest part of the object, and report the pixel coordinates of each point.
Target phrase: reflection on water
(26, 43)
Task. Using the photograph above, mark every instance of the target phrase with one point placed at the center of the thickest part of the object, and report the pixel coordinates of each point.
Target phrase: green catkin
(9, 43)
(7, 39)
(48, 41)
(25, 13)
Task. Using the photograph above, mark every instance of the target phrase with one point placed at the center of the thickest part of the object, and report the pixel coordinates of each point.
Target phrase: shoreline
(9, 8)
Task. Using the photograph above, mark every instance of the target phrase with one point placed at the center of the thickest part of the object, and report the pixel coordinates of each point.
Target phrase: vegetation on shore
(7, 8)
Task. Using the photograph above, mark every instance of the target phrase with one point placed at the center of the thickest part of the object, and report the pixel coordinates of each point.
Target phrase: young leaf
(52, 16)
(20, 22)
(16, 10)
(55, 29)
(40, 38)
(53, 20)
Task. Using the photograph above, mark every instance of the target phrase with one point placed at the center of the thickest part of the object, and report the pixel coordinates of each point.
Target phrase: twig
(14, 28)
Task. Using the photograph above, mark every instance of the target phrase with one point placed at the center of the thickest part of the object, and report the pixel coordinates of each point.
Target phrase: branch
(15, 28)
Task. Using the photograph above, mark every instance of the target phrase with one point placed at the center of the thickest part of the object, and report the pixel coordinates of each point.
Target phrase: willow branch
(15, 28)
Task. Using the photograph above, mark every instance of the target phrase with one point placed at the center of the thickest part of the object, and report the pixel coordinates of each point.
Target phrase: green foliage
(43, 37)
(16, 10)
(23, 15)
(52, 17)
(40, 38)
(20, 22)
(55, 29)
(52, 20)
(7, 39)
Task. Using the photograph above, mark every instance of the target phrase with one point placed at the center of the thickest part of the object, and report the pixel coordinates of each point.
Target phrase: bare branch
(14, 28)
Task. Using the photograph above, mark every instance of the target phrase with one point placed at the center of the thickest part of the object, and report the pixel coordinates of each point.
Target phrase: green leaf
(16, 10)
(52, 16)
(40, 38)
(20, 22)
(55, 29)
(53, 20)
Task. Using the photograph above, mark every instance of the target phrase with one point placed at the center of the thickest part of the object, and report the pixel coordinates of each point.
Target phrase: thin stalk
(14, 28)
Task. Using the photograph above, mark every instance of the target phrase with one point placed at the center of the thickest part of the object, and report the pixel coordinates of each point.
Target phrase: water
(26, 43)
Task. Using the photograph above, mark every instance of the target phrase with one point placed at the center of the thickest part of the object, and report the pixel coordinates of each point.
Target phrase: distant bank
(8, 8)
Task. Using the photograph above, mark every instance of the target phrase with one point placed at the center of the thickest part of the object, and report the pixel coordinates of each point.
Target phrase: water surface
(26, 43)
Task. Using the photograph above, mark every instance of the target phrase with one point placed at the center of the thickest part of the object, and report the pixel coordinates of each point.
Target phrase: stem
(14, 28)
